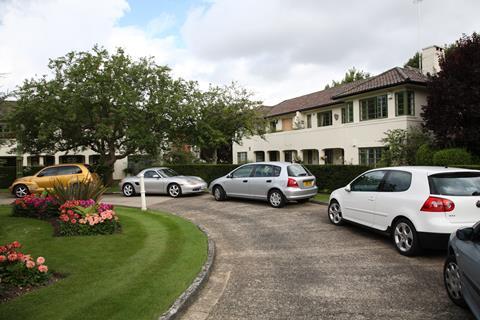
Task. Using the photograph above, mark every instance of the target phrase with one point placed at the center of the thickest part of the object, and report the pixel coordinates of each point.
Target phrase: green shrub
(207, 172)
(80, 190)
(454, 156)
(424, 156)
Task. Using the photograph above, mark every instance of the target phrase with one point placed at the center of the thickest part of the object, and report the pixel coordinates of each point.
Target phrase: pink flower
(82, 221)
(16, 244)
(64, 217)
(73, 221)
(40, 260)
(30, 264)
(43, 268)
(2, 259)
(12, 257)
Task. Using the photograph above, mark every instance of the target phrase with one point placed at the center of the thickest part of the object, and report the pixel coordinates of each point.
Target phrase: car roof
(67, 164)
(428, 169)
(271, 163)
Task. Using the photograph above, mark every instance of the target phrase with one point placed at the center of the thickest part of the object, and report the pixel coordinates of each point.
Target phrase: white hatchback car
(418, 206)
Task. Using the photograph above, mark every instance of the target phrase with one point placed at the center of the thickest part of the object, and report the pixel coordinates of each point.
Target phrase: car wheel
(405, 238)
(20, 191)
(335, 213)
(219, 194)
(174, 190)
(453, 284)
(276, 199)
(128, 190)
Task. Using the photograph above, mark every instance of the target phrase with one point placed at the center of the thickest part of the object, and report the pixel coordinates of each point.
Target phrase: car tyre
(128, 190)
(335, 213)
(219, 194)
(174, 190)
(451, 279)
(20, 190)
(276, 199)
(405, 238)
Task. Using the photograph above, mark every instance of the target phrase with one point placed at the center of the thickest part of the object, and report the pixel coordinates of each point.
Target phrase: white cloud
(277, 48)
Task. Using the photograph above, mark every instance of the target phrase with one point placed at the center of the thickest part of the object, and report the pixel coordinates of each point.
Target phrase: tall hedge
(7, 175)
(329, 177)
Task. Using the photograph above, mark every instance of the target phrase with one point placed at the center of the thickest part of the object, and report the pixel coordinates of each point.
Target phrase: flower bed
(19, 270)
(72, 218)
(36, 206)
(85, 217)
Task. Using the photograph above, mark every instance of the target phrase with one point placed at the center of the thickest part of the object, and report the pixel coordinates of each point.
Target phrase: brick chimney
(430, 59)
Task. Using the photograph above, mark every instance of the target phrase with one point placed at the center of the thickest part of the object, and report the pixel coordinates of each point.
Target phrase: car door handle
(245, 181)
(268, 181)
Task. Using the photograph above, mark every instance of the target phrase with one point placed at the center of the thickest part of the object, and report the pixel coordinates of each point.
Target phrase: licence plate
(308, 183)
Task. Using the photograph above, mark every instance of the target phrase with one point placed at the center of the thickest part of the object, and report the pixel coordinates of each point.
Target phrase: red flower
(73, 221)
(16, 244)
(2, 258)
(64, 217)
(3, 249)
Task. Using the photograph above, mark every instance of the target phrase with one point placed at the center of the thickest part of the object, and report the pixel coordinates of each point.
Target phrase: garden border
(188, 296)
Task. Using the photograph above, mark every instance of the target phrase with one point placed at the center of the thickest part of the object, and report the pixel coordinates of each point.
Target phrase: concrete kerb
(188, 297)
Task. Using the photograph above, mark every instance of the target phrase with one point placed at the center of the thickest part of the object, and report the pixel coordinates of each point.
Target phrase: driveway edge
(188, 297)
(319, 202)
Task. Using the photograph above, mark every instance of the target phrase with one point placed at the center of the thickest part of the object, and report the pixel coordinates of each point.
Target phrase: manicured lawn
(4, 190)
(133, 275)
(322, 197)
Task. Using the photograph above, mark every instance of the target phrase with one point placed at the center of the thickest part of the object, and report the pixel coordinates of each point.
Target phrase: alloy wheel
(335, 213)
(403, 235)
(127, 190)
(174, 190)
(452, 280)
(21, 191)
(217, 193)
(275, 199)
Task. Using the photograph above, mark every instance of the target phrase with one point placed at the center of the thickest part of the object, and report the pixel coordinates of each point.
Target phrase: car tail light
(292, 183)
(435, 204)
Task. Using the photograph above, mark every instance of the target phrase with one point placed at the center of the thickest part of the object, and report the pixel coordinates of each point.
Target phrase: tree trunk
(108, 168)
(215, 156)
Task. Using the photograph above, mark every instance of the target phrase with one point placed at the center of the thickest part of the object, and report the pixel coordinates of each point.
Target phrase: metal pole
(142, 193)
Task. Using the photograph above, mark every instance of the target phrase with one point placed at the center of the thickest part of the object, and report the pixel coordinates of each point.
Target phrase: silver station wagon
(276, 182)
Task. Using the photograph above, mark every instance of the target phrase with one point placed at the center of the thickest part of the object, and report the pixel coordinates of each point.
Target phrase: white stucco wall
(349, 137)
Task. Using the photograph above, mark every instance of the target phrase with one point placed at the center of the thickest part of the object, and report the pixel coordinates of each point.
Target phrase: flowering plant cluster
(41, 206)
(18, 269)
(85, 217)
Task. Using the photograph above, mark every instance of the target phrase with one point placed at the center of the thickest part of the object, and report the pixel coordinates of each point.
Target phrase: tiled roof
(311, 100)
(331, 96)
(387, 79)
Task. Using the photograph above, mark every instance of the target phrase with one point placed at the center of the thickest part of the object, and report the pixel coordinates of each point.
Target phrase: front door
(359, 204)
(238, 183)
(45, 178)
(152, 181)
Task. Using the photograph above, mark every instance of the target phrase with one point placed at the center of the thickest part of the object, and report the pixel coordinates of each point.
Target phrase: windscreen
(169, 172)
(455, 184)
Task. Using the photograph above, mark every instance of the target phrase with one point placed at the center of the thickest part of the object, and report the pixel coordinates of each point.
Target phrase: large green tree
(350, 76)
(222, 116)
(109, 103)
(452, 110)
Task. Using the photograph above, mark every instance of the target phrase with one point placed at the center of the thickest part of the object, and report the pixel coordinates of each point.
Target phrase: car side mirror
(156, 176)
(229, 176)
(347, 188)
(465, 234)
(40, 175)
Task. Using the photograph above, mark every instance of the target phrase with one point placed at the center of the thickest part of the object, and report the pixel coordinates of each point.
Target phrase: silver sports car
(162, 180)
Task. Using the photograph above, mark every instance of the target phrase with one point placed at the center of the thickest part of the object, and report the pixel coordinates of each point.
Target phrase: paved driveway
(292, 263)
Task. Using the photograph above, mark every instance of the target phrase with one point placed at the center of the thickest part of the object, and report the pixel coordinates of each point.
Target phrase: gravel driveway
(291, 263)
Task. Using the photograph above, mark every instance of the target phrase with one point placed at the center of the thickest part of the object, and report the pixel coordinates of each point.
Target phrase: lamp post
(142, 192)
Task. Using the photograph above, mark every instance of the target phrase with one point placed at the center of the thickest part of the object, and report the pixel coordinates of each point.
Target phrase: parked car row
(418, 207)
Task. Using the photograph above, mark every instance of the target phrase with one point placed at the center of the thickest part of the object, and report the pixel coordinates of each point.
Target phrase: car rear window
(296, 170)
(455, 184)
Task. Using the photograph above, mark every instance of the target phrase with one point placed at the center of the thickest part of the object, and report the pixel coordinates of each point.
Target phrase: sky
(277, 49)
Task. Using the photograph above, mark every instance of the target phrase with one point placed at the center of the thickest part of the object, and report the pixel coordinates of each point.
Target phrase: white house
(343, 124)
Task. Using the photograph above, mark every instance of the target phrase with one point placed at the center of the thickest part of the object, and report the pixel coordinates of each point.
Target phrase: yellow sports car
(65, 174)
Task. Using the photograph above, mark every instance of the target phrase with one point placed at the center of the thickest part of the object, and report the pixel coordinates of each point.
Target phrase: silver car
(162, 180)
(276, 182)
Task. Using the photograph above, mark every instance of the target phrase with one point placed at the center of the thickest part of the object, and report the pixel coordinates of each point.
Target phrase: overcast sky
(278, 49)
